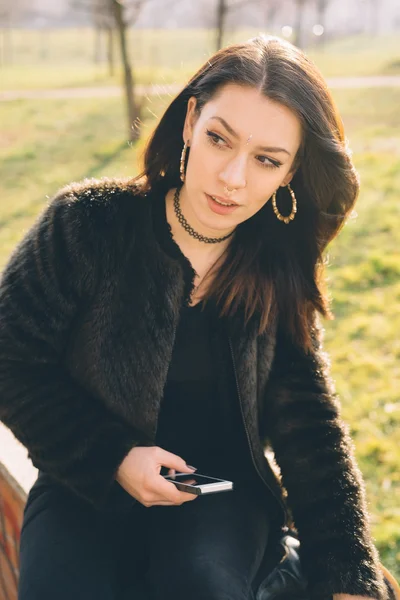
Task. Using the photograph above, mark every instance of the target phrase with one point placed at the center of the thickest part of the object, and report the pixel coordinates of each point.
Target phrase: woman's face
(241, 140)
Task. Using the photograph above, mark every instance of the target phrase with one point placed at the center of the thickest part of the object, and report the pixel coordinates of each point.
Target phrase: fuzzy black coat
(89, 304)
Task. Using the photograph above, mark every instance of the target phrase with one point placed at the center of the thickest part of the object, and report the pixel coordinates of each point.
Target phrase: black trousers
(207, 549)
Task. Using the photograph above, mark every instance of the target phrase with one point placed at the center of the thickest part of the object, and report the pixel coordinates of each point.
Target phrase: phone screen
(192, 479)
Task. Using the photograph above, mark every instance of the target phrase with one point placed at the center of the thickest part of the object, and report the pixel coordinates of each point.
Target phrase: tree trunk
(298, 26)
(374, 16)
(271, 10)
(322, 5)
(110, 50)
(2, 47)
(221, 11)
(133, 110)
(97, 44)
(6, 49)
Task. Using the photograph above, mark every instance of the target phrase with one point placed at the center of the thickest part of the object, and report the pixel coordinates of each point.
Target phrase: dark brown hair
(271, 268)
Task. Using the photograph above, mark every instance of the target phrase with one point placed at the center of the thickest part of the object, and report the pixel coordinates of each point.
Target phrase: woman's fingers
(164, 493)
(170, 492)
(168, 459)
(167, 490)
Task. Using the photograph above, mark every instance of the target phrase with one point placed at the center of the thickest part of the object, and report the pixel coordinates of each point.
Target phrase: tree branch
(240, 3)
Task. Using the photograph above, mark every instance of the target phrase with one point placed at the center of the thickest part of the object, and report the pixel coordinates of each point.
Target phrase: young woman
(173, 320)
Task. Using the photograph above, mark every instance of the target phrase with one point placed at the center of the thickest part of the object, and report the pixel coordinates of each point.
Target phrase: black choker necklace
(190, 229)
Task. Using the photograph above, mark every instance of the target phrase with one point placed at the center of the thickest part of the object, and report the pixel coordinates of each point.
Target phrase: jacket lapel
(158, 315)
(243, 345)
(252, 355)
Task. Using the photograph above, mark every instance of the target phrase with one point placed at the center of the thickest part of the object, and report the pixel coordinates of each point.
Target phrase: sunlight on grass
(364, 277)
(65, 58)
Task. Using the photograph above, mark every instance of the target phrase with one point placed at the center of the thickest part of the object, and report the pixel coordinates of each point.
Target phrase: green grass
(64, 58)
(48, 144)
(364, 276)
(359, 55)
(70, 75)
(45, 146)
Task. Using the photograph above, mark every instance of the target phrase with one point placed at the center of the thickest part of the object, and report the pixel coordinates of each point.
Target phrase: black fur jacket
(89, 305)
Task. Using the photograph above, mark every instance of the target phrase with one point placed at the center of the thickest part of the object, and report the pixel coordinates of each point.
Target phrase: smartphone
(199, 484)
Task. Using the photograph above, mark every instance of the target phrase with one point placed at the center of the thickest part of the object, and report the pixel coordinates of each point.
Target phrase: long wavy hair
(272, 269)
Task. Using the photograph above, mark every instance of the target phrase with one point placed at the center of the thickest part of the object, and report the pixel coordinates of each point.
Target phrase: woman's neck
(204, 258)
(189, 245)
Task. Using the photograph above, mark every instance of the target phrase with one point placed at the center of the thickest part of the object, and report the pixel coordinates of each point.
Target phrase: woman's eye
(214, 138)
(267, 162)
(264, 161)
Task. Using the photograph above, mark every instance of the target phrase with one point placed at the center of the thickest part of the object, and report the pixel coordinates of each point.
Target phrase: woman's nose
(234, 173)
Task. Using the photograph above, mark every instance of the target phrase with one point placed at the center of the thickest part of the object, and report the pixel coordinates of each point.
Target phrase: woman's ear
(190, 119)
(287, 180)
(290, 176)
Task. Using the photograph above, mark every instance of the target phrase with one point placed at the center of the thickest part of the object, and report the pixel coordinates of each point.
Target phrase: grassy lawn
(365, 286)
(64, 58)
(48, 144)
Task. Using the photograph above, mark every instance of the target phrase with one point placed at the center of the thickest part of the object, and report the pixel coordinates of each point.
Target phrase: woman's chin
(209, 228)
(211, 224)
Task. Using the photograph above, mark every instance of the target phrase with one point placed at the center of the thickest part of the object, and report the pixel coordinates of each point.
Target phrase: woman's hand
(139, 475)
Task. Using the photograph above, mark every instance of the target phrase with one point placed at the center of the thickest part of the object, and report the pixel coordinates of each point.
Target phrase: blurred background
(82, 84)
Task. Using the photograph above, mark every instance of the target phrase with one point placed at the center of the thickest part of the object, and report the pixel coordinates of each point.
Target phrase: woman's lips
(218, 208)
(223, 199)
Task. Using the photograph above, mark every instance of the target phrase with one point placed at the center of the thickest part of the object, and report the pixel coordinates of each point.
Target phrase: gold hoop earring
(182, 163)
(294, 207)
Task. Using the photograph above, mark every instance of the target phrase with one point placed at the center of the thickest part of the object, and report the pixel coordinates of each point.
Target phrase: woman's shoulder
(104, 197)
(93, 209)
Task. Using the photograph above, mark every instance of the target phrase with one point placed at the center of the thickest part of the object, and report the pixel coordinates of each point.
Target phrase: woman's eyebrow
(236, 135)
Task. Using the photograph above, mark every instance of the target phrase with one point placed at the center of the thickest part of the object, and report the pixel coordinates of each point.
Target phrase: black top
(198, 420)
(187, 423)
